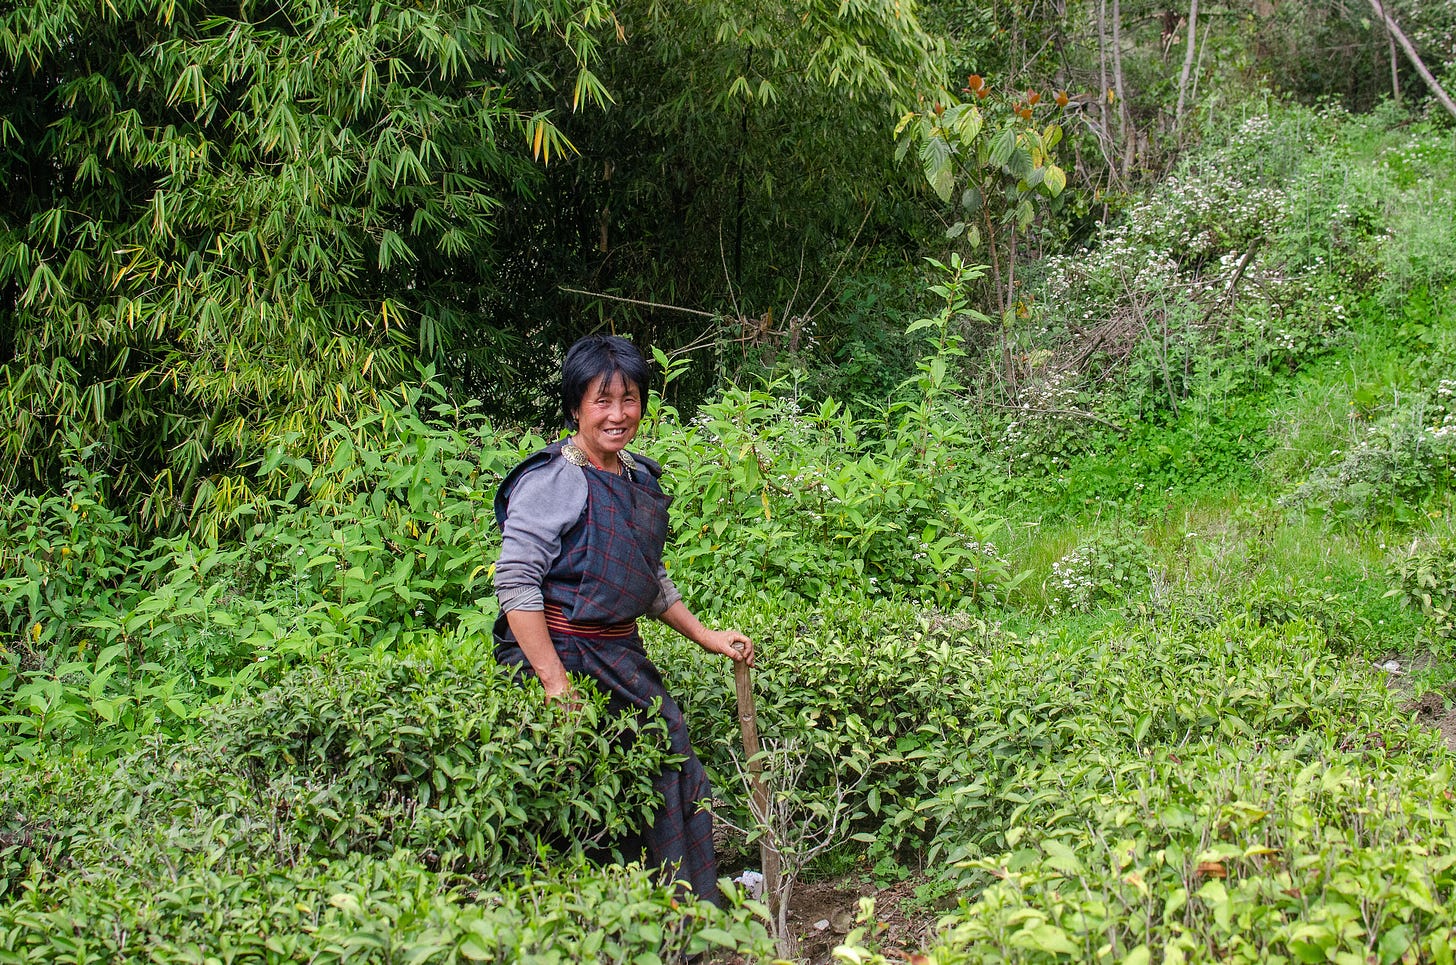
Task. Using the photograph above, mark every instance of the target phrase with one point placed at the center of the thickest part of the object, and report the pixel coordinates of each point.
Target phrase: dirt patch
(1434, 709)
(822, 913)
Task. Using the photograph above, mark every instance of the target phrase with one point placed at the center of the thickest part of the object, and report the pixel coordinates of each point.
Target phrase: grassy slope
(1322, 838)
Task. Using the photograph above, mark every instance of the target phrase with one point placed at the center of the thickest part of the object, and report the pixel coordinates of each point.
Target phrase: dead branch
(1234, 281)
(637, 301)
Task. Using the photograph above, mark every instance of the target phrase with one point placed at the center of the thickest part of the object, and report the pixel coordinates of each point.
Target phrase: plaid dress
(605, 576)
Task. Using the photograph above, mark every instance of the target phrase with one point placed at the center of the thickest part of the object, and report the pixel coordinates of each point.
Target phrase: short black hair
(599, 357)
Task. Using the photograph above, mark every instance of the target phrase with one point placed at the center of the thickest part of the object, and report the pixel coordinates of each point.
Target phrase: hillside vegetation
(1087, 624)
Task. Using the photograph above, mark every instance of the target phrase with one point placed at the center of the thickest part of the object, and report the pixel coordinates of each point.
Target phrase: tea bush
(785, 498)
(1425, 580)
(1282, 851)
(353, 809)
(390, 909)
(443, 756)
(954, 722)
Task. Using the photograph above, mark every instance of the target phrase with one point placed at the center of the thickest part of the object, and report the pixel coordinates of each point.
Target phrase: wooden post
(760, 804)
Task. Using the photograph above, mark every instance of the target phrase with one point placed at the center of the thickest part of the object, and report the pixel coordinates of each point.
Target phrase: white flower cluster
(1446, 428)
(1057, 389)
(1190, 238)
(1092, 573)
(1073, 583)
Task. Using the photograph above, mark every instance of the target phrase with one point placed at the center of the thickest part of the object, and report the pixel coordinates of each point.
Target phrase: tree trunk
(1188, 56)
(1394, 63)
(1415, 58)
(1124, 119)
(1102, 64)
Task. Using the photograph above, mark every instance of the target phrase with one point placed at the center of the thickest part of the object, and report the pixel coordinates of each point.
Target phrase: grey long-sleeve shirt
(544, 503)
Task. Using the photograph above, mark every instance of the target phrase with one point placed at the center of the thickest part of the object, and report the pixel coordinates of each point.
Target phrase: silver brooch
(573, 454)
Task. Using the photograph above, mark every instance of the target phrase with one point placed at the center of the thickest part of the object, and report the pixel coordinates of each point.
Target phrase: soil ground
(822, 913)
(1434, 708)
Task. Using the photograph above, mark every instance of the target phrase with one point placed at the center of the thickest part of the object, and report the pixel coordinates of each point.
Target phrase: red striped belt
(557, 622)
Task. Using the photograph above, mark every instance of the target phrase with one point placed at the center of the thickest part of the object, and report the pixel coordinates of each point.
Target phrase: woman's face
(607, 418)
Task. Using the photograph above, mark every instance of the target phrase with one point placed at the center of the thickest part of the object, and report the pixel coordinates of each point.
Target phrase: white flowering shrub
(1240, 265)
(1101, 571)
(1243, 268)
(1398, 462)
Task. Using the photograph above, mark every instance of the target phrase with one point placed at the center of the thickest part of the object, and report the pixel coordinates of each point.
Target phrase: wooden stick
(748, 724)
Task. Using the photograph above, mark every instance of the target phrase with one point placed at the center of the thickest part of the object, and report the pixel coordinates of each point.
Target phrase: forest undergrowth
(1105, 627)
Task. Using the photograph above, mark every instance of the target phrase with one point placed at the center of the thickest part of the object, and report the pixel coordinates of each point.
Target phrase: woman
(584, 522)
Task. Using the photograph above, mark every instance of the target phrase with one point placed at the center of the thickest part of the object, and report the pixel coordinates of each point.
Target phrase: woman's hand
(730, 643)
(529, 629)
(566, 697)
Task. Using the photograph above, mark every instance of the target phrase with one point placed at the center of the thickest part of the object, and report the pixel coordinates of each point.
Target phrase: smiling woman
(583, 525)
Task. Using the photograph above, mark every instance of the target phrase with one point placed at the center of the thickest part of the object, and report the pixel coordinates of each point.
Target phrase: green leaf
(936, 160)
(718, 937)
(1055, 180)
(1046, 938)
(1002, 146)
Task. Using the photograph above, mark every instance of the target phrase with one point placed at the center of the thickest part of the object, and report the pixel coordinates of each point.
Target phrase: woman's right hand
(566, 696)
(529, 629)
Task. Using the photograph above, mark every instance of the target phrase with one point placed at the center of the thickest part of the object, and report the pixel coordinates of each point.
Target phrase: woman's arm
(545, 503)
(730, 643)
(529, 629)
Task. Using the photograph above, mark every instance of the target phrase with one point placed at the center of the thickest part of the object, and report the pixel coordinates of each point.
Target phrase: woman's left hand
(730, 643)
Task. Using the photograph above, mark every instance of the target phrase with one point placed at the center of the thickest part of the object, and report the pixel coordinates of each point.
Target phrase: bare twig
(637, 301)
(1140, 312)
(795, 834)
(728, 276)
(843, 258)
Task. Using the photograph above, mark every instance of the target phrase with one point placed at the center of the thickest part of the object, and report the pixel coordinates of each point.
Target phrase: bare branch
(1073, 413)
(637, 301)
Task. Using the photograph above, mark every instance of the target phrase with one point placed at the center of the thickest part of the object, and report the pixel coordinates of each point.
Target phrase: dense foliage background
(1060, 394)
